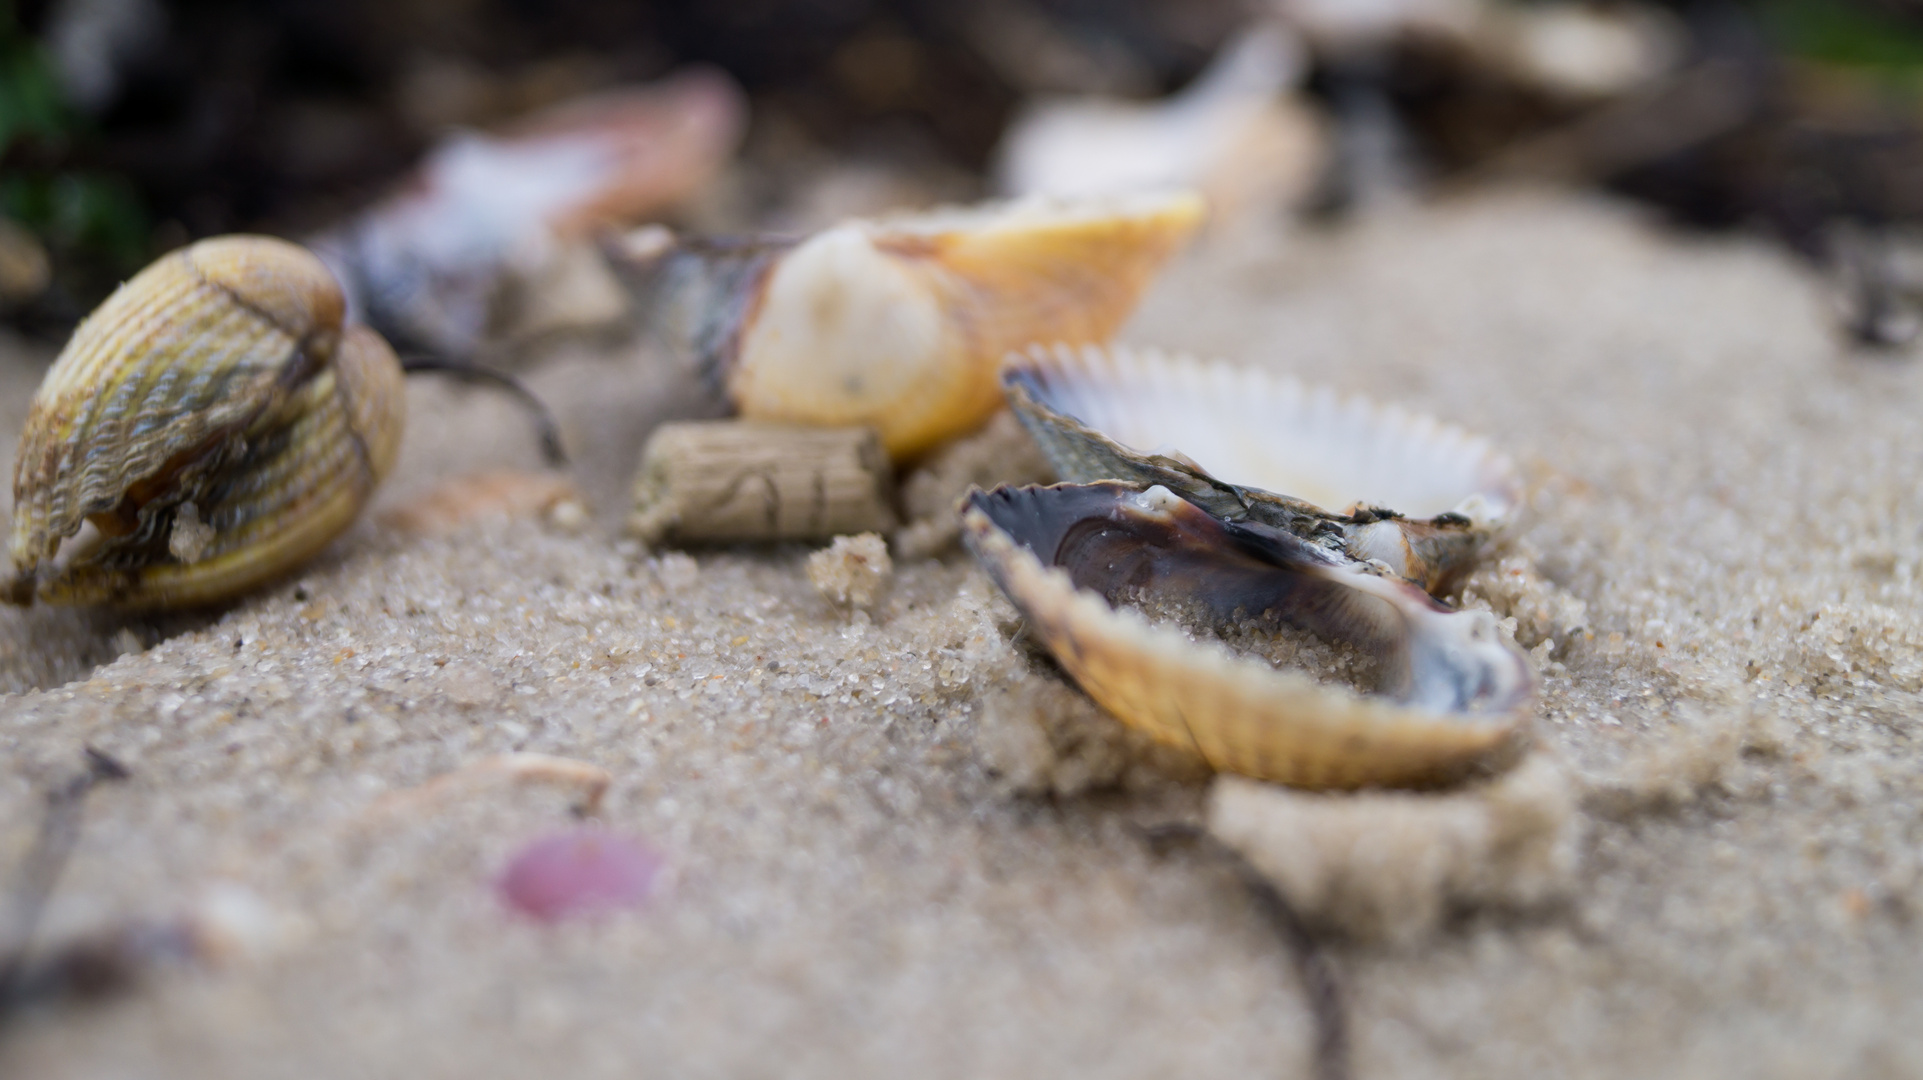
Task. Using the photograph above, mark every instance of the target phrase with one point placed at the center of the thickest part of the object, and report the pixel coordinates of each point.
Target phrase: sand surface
(1726, 497)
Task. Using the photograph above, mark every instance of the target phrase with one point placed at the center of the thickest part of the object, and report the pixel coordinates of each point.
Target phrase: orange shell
(902, 324)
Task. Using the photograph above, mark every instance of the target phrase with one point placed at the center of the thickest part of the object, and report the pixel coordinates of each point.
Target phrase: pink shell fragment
(581, 871)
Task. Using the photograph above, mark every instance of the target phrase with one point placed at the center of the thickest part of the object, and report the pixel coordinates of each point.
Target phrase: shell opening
(1175, 620)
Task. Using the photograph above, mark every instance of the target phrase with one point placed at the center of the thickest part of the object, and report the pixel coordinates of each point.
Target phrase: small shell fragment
(1453, 694)
(1420, 496)
(209, 427)
(583, 871)
(901, 324)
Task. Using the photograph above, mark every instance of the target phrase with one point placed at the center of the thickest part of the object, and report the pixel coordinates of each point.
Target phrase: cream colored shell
(901, 324)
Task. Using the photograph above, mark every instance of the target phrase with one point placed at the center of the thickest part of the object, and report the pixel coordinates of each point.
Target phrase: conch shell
(1378, 483)
(1453, 691)
(901, 323)
(210, 426)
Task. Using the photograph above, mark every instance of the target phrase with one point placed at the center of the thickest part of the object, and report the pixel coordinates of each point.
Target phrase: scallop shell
(209, 427)
(1458, 694)
(1420, 496)
(901, 324)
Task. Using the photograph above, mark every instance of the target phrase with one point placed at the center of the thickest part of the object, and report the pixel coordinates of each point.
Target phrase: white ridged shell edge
(1255, 428)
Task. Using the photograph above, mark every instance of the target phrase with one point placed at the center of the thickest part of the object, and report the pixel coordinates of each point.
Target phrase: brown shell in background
(1454, 694)
(209, 427)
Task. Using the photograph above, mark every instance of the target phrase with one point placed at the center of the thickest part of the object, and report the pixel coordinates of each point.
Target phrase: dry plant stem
(552, 451)
(40, 871)
(1328, 1010)
(593, 780)
(1312, 966)
(736, 480)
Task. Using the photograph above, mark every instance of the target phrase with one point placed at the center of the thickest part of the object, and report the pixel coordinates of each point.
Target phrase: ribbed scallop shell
(1421, 495)
(901, 323)
(218, 377)
(1464, 711)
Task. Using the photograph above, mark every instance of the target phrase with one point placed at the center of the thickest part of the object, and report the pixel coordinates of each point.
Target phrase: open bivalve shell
(1451, 693)
(1377, 482)
(901, 323)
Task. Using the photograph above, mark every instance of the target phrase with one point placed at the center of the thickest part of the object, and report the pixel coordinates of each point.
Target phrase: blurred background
(129, 127)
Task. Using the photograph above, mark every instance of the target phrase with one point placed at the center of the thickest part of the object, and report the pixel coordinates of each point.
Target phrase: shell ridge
(76, 483)
(246, 303)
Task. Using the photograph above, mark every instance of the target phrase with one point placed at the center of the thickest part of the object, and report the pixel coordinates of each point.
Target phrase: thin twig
(40, 870)
(522, 766)
(551, 449)
(1312, 965)
(1328, 1009)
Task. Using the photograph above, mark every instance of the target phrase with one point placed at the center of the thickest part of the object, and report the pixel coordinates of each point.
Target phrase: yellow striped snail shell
(208, 428)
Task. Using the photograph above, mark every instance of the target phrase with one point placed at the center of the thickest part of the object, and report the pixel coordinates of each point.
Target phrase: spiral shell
(209, 427)
(1453, 693)
(901, 324)
(1420, 496)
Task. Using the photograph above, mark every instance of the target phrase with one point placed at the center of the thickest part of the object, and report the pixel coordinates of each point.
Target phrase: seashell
(210, 426)
(583, 871)
(428, 263)
(1452, 692)
(1236, 133)
(1421, 497)
(901, 324)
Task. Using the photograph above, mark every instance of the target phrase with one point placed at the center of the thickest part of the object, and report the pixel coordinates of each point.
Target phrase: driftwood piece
(731, 480)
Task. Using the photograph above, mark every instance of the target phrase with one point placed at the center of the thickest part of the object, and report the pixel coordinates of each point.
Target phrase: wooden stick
(731, 480)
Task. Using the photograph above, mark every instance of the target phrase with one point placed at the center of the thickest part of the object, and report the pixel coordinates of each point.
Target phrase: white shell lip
(1253, 428)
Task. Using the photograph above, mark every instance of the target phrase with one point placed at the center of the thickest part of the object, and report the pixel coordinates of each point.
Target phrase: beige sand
(1720, 575)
